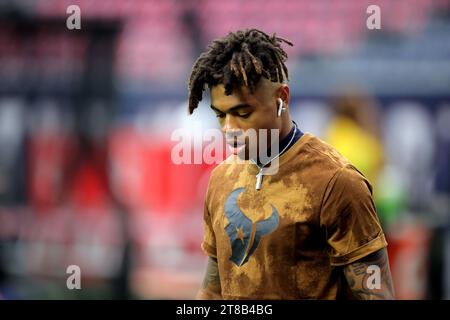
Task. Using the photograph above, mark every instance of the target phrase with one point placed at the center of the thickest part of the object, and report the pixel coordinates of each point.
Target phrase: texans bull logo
(245, 234)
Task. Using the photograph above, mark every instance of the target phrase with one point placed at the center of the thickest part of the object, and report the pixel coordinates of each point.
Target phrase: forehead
(242, 95)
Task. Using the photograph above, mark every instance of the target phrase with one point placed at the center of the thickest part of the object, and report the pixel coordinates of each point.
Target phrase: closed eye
(244, 115)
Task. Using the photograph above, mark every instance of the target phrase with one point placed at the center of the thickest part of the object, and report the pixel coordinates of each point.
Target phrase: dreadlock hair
(240, 58)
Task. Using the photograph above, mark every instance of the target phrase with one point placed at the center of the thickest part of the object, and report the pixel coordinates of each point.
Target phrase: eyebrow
(235, 108)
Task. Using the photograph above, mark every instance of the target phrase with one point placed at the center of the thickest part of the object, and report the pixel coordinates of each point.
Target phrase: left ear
(284, 94)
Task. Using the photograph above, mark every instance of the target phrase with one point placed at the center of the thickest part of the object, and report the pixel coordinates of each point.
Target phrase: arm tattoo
(370, 277)
(211, 282)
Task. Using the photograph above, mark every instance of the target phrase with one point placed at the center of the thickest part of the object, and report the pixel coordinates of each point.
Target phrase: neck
(284, 142)
(286, 129)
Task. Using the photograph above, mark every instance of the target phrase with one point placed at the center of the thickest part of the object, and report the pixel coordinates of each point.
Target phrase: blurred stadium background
(86, 118)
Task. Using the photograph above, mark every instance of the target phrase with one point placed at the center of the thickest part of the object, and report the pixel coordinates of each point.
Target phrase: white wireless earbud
(281, 107)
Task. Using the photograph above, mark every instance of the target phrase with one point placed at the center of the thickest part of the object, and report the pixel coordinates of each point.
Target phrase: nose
(229, 124)
(231, 129)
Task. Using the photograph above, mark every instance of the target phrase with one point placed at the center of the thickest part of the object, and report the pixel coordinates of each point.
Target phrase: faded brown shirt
(290, 239)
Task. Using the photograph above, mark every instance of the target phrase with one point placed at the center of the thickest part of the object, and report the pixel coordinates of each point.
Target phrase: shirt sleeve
(209, 239)
(349, 217)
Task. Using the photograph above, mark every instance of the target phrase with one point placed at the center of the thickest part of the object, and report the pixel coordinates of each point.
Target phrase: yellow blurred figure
(354, 133)
(357, 145)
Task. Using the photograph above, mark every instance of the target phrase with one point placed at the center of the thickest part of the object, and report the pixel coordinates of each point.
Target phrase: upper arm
(211, 288)
(370, 277)
(348, 216)
(355, 237)
(209, 238)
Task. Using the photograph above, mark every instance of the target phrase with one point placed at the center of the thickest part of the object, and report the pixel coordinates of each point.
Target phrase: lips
(235, 146)
(235, 143)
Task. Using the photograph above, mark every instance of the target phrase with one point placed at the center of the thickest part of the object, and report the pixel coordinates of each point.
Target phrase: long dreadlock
(240, 58)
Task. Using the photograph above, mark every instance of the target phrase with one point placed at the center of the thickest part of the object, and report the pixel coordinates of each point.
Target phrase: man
(310, 231)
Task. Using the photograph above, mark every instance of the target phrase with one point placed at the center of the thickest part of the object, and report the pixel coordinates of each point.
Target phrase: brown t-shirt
(290, 239)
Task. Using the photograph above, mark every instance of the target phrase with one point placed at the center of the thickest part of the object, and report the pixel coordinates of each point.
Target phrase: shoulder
(323, 153)
(330, 171)
(321, 162)
(349, 181)
(221, 176)
(223, 169)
